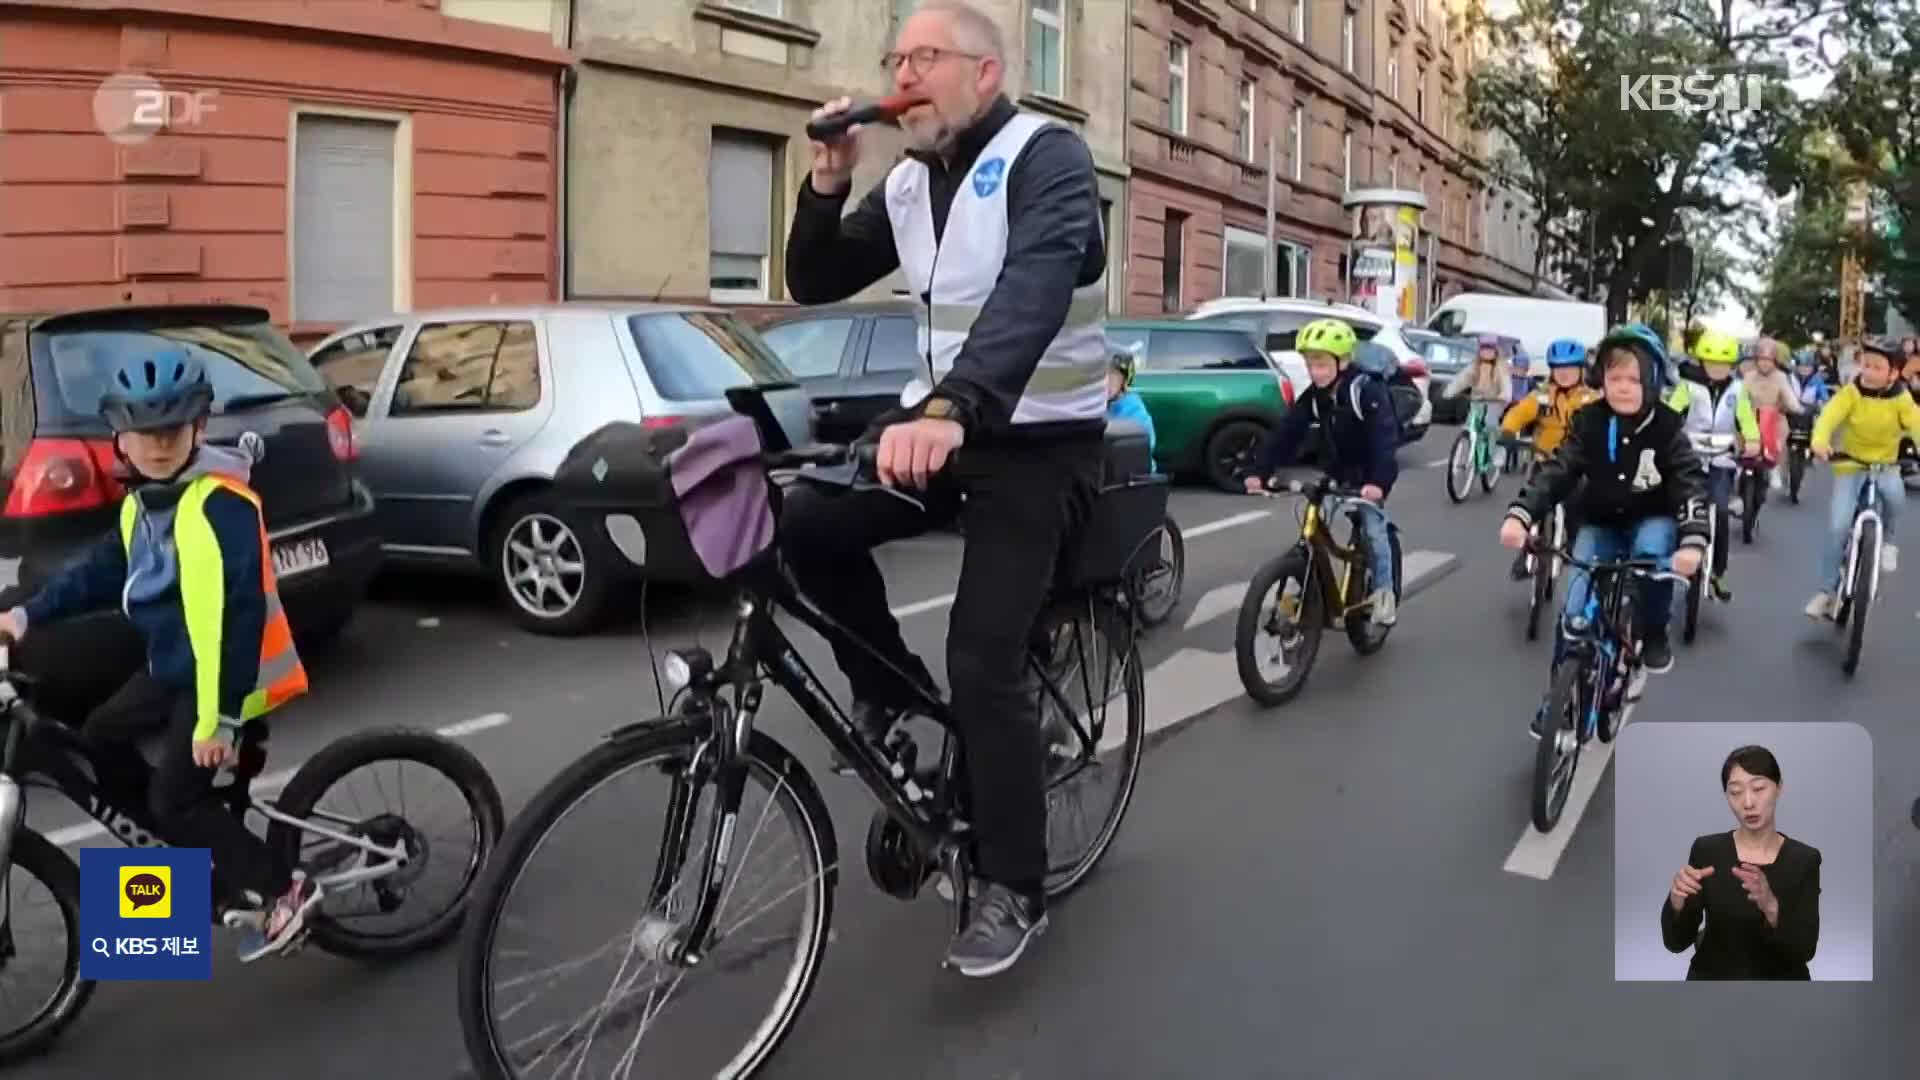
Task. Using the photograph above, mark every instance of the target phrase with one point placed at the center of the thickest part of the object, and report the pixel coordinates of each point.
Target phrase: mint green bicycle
(1476, 452)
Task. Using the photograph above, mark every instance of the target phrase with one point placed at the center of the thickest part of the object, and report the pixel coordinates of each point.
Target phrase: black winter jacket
(1358, 431)
(1635, 467)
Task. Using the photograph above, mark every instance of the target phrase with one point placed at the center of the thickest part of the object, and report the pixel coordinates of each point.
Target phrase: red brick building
(325, 160)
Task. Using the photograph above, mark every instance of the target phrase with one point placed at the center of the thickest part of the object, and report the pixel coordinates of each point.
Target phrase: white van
(1536, 323)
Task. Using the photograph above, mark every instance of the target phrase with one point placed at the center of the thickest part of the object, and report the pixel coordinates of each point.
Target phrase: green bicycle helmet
(1328, 336)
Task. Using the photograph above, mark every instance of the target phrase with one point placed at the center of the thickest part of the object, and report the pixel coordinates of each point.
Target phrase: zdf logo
(1719, 89)
(131, 109)
(146, 892)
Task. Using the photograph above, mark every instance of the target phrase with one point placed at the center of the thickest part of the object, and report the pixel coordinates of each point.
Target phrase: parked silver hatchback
(463, 415)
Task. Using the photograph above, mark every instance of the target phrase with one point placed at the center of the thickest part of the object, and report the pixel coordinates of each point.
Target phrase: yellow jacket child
(1548, 410)
(1873, 421)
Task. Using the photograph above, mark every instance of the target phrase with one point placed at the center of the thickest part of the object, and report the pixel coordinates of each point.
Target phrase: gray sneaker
(1003, 923)
(1383, 607)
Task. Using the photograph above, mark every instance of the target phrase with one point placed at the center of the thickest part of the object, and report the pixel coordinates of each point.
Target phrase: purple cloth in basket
(721, 490)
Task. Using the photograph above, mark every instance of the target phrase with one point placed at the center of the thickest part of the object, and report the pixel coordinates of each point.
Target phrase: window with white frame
(1420, 95)
(1292, 269)
(1346, 161)
(1047, 48)
(1346, 40)
(1244, 136)
(769, 8)
(1177, 85)
(1393, 170)
(1297, 139)
(1393, 77)
(1297, 20)
(1173, 257)
(1243, 262)
(345, 218)
(739, 216)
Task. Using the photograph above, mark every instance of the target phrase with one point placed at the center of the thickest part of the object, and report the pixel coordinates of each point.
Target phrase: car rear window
(243, 361)
(1204, 350)
(699, 356)
(1280, 327)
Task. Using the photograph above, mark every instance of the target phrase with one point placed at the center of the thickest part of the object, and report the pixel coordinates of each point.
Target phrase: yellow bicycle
(1313, 585)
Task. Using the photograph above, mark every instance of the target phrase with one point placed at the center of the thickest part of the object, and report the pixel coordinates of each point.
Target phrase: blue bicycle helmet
(152, 391)
(1566, 352)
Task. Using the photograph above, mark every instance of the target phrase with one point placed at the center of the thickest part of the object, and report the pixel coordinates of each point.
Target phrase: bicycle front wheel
(1557, 755)
(1866, 560)
(1460, 467)
(1277, 635)
(583, 1006)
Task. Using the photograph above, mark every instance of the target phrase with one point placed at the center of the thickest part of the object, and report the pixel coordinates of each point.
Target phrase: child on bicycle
(188, 564)
(1645, 490)
(1810, 385)
(1359, 436)
(1549, 412)
(1872, 412)
(1488, 381)
(1719, 406)
(1123, 403)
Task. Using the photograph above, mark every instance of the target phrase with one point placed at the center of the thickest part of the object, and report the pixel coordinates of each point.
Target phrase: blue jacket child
(1359, 436)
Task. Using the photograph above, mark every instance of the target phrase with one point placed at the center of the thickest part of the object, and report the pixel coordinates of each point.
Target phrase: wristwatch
(945, 408)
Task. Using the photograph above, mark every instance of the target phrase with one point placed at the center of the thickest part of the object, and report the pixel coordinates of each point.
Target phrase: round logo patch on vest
(987, 177)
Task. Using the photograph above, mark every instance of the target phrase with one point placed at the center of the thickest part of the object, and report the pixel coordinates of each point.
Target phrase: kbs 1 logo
(1726, 89)
(146, 892)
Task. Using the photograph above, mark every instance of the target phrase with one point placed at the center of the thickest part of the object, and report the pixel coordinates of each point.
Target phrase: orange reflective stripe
(282, 676)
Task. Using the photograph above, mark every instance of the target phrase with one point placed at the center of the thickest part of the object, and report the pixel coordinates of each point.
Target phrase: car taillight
(59, 476)
(1415, 369)
(1286, 389)
(340, 435)
(661, 421)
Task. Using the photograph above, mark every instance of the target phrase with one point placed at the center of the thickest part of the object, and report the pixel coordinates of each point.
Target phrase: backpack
(1393, 404)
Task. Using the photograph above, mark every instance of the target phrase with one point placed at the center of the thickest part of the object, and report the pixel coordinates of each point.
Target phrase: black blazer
(1738, 943)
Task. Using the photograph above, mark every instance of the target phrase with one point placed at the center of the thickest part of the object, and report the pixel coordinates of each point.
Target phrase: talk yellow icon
(146, 892)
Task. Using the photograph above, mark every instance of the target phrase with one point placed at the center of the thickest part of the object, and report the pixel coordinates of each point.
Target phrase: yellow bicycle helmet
(1717, 347)
(1327, 336)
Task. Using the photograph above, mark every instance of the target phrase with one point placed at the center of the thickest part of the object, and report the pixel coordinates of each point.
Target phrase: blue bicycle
(1592, 681)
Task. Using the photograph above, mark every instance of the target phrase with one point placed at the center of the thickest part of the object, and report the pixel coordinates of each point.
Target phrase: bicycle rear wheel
(1754, 485)
(510, 1027)
(1866, 561)
(1539, 591)
(1093, 753)
(1695, 586)
(1557, 755)
(1796, 471)
(1366, 636)
(1161, 575)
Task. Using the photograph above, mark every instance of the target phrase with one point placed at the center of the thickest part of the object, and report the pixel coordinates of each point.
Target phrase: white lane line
(1537, 854)
(1218, 601)
(1436, 464)
(271, 783)
(935, 603)
(1235, 521)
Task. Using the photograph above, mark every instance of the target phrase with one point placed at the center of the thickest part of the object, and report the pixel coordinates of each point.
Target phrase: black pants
(178, 792)
(1022, 502)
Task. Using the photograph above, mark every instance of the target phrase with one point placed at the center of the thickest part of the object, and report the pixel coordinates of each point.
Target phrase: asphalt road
(1330, 889)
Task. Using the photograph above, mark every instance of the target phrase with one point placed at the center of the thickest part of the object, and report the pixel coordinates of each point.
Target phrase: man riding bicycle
(1549, 411)
(1016, 362)
(1872, 413)
(1718, 406)
(1644, 489)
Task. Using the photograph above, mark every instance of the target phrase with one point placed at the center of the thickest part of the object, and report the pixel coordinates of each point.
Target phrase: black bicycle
(1591, 684)
(1860, 574)
(1799, 452)
(691, 913)
(378, 857)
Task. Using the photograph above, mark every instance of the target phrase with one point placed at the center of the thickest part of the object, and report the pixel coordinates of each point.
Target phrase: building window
(1243, 262)
(739, 216)
(1393, 77)
(346, 219)
(1177, 85)
(1244, 137)
(1393, 170)
(1420, 96)
(1046, 49)
(1420, 12)
(1297, 136)
(1297, 20)
(1346, 161)
(1173, 252)
(1293, 270)
(769, 8)
(1346, 40)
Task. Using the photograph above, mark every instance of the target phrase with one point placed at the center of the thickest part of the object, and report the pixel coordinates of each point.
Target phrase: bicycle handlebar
(1643, 568)
(1322, 488)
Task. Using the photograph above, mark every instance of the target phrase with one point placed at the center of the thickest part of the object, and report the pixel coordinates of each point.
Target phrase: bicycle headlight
(676, 671)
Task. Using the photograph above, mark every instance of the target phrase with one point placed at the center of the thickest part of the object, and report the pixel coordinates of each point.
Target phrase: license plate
(299, 556)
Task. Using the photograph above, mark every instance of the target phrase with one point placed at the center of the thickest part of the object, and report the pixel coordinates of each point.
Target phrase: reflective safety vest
(202, 597)
(954, 276)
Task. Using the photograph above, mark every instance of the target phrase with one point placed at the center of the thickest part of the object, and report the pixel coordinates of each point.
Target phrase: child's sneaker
(284, 920)
(1821, 606)
(1383, 613)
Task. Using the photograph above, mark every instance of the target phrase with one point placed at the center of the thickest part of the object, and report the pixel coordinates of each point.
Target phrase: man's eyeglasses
(922, 59)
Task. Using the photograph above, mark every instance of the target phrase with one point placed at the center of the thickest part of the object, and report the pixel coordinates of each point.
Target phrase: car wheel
(1230, 449)
(317, 634)
(546, 570)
